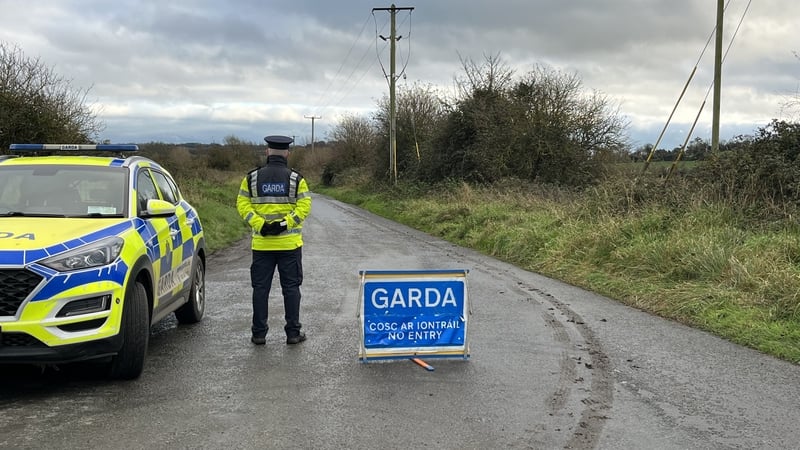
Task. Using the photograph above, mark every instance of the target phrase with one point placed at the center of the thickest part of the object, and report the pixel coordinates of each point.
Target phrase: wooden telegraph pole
(313, 118)
(392, 78)
(717, 80)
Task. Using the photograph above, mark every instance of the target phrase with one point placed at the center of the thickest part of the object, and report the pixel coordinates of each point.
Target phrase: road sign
(410, 313)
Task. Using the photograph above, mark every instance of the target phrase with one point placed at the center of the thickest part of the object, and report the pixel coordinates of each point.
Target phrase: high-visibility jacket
(274, 193)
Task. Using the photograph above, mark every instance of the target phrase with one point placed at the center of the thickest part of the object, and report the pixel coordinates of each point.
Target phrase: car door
(160, 248)
(182, 242)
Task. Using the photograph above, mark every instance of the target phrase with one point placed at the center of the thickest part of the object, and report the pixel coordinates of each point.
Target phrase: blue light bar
(74, 147)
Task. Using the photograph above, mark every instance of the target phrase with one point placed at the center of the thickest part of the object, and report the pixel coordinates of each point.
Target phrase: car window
(145, 189)
(174, 188)
(11, 187)
(104, 192)
(166, 189)
(62, 190)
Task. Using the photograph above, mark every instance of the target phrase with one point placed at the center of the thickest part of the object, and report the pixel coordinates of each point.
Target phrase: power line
(680, 97)
(330, 93)
(352, 46)
(708, 92)
(392, 119)
(377, 55)
(336, 94)
(355, 84)
(408, 39)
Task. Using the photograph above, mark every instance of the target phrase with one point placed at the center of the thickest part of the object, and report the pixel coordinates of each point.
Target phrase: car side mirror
(158, 208)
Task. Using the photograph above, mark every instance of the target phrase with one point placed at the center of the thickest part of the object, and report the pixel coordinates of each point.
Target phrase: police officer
(274, 201)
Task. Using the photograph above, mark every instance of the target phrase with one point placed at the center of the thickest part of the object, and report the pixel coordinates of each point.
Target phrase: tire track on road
(599, 400)
(569, 329)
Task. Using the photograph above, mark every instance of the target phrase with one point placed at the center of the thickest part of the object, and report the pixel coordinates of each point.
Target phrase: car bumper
(25, 349)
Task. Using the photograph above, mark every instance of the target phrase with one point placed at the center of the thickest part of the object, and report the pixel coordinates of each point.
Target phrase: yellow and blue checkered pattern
(163, 249)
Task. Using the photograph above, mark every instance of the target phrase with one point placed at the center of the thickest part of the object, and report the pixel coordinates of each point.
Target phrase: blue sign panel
(413, 313)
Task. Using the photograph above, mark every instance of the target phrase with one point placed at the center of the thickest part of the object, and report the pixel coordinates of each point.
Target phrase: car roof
(66, 160)
(75, 154)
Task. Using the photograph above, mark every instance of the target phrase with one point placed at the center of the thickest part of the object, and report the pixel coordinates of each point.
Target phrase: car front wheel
(128, 363)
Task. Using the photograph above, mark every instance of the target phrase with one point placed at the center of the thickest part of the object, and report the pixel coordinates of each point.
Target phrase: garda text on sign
(411, 313)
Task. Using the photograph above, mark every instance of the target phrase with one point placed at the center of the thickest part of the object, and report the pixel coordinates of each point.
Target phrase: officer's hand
(266, 229)
(273, 228)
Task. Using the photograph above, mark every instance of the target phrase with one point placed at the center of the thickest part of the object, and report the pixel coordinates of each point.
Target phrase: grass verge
(697, 265)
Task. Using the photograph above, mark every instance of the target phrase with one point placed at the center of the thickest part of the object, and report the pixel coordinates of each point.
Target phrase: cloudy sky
(198, 71)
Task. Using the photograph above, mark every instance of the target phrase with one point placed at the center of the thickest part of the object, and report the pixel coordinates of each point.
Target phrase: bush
(760, 174)
(39, 106)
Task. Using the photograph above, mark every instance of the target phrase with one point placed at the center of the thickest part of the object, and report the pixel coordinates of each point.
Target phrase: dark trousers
(290, 272)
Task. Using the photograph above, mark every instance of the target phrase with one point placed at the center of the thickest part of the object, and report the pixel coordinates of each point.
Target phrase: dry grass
(697, 262)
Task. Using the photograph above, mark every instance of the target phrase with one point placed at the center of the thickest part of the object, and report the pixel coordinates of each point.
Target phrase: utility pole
(313, 118)
(717, 81)
(392, 78)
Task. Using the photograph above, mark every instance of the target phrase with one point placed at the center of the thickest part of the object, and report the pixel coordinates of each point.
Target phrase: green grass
(214, 196)
(697, 265)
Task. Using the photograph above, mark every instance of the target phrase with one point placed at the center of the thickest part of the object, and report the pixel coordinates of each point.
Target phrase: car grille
(15, 286)
(19, 340)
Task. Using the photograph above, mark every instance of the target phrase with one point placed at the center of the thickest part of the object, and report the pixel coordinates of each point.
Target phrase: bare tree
(420, 110)
(493, 75)
(792, 105)
(38, 105)
(566, 133)
(353, 140)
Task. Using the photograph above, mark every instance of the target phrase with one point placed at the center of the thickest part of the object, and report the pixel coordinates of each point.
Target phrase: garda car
(94, 250)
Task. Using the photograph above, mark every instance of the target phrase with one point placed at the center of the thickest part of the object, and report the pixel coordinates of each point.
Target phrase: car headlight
(100, 253)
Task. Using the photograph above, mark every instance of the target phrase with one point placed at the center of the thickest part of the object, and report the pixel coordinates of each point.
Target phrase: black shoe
(258, 340)
(291, 340)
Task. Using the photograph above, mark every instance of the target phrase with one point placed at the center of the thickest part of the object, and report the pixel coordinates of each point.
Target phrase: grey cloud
(322, 57)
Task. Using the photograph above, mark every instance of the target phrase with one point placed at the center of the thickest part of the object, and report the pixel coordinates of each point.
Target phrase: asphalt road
(551, 366)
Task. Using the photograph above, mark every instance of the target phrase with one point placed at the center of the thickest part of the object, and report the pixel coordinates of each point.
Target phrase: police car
(93, 251)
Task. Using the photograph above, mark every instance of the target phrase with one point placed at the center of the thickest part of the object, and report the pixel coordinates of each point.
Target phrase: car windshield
(62, 191)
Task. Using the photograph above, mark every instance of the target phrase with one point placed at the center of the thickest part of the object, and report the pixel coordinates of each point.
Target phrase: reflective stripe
(292, 231)
(263, 200)
(253, 183)
(293, 186)
(282, 233)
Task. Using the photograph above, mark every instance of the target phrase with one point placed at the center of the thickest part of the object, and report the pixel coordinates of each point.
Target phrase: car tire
(128, 363)
(193, 310)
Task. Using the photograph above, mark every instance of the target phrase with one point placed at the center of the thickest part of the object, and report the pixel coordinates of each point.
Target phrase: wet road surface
(551, 366)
